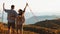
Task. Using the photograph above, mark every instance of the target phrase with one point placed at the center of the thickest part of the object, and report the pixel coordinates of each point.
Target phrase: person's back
(20, 18)
(11, 15)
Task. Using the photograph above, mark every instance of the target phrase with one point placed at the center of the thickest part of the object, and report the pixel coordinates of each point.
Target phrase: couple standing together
(14, 18)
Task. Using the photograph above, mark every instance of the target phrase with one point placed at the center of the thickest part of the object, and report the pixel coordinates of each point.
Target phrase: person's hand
(3, 4)
(26, 4)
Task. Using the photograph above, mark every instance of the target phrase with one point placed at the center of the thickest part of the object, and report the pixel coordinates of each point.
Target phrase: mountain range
(35, 19)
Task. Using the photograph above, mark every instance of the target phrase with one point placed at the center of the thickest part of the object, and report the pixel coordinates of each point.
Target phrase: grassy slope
(53, 24)
(34, 29)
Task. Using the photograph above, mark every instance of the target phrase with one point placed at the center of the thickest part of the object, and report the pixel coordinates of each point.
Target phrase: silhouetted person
(11, 17)
(20, 19)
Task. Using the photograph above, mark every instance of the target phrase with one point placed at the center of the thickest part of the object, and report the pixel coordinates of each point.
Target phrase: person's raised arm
(25, 7)
(3, 6)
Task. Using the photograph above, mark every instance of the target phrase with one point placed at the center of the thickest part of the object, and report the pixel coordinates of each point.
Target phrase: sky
(38, 7)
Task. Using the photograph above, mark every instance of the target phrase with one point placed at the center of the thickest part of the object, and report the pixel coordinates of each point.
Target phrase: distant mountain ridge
(33, 19)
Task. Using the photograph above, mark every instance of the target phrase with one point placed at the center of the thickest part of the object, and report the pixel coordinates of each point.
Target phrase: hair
(20, 9)
(12, 6)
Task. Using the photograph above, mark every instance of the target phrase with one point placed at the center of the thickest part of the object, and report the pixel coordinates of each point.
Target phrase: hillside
(4, 30)
(54, 24)
(43, 27)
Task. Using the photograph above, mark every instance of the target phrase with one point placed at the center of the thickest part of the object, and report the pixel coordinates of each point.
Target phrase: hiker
(11, 18)
(20, 19)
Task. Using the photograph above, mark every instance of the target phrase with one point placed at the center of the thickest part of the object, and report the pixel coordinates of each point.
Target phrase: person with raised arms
(12, 14)
(20, 19)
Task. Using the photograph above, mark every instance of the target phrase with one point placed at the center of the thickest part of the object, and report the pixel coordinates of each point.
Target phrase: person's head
(20, 11)
(12, 6)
